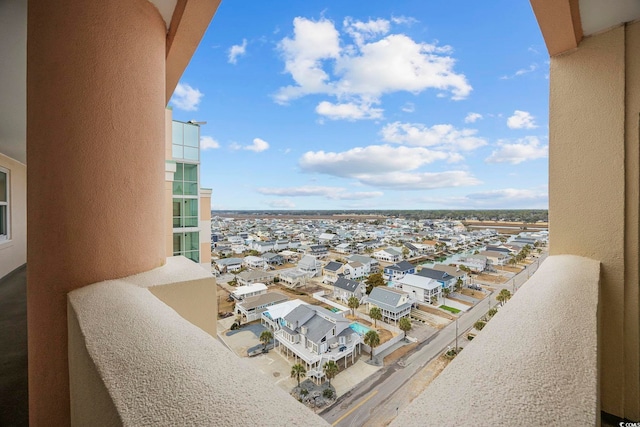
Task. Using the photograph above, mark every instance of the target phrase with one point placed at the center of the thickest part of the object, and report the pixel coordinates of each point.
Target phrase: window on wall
(187, 244)
(4, 204)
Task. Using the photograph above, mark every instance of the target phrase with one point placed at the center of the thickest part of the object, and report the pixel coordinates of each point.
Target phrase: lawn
(451, 309)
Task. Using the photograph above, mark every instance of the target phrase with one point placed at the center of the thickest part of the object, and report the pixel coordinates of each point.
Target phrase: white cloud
(507, 198)
(237, 50)
(442, 136)
(281, 204)
(208, 143)
(521, 120)
(522, 71)
(333, 193)
(420, 181)
(409, 107)
(472, 117)
(524, 149)
(258, 146)
(348, 111)
(407, 20)
(369, 160)
(378, 63)
(186, 98)
(361, 31)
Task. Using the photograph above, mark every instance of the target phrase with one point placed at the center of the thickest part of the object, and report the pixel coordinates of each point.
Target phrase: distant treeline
(516, 215)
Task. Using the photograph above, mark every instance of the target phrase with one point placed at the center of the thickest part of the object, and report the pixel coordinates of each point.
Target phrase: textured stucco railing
(134, 361)
(534, 364)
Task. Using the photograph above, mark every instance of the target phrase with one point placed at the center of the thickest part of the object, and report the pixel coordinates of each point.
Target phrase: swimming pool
(335, 310)
(359, 328)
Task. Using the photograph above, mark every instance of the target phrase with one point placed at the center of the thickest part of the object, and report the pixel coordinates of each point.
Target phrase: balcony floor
(14, 399)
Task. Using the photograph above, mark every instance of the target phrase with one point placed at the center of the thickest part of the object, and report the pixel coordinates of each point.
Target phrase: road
(357, 407)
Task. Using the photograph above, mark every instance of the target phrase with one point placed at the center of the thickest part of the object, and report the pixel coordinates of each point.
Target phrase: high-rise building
(190, 205)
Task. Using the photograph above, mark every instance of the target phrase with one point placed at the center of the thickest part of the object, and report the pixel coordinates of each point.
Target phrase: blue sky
(393, 105)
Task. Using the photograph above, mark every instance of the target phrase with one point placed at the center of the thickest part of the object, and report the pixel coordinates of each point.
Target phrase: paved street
(362, 404)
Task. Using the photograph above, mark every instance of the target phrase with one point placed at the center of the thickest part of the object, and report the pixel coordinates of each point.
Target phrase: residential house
(318, 251)
(251, 308)
(344, 248)
(273, 259)
(253, 262)
(242, 292)
(421, 289)
(371, 265)
(446, 280)
(453, 271)
(355, 270)
(228, 265)
(476, 263)
(310, 266)
(315, 335)
(343, 289)
(388, 255)
(331, 271)
(262, 247)
(496, 258)
(249, 277)
(293, 277)
(398, 271)
(393, 303)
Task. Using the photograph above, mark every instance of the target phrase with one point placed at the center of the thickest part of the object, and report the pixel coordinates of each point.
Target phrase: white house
(251, 308)
(242, 292)
(393, 303)
(420, 289)
(355, 270)
(388, 255)
(253, 261)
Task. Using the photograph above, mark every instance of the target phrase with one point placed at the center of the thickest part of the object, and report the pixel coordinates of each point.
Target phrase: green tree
(503, 296)
(405, 252)
(297, 372)
(405, 325)
(354, 303)
(492, 312)
(445, 294)
(376, 314)
(330, 369)
(458, 284)
(372, 339)
(265, 337)
(374, 279)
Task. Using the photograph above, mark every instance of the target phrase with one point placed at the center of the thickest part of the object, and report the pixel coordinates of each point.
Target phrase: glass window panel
(190, 189)
(190, 153)
(190, 221)
(3, 221)
(193, 256)
(177, 243)
(190, 172)
(191, 135)
(177, 207)
(191, 241)
(178, 188)
(3, 187)
(177, 151)
(191, 207)
(179, 175)
(177, 133)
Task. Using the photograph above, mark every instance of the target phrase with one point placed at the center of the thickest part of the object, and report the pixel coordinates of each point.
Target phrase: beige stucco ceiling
(599, 15)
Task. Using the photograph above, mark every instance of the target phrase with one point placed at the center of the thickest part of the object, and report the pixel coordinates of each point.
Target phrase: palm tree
(354, 303)
(330, 370)
(458, 284)
(376, 314)
(372, 339)
(405, 325)
(265, 337)
(503, 296)
(297, 372)
(445, 294)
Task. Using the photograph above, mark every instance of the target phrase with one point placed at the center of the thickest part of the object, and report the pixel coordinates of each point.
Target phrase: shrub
(479, 325)
(492, 312)
(235, 326)
(327, 393)
(304, 392)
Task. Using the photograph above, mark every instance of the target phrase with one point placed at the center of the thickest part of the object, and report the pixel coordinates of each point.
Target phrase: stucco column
(95, 156)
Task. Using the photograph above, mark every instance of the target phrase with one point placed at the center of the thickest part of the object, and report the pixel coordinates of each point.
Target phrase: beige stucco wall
(535, 363)
(160, 370)
(13, 252)
(593, 192)
(95, 123)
